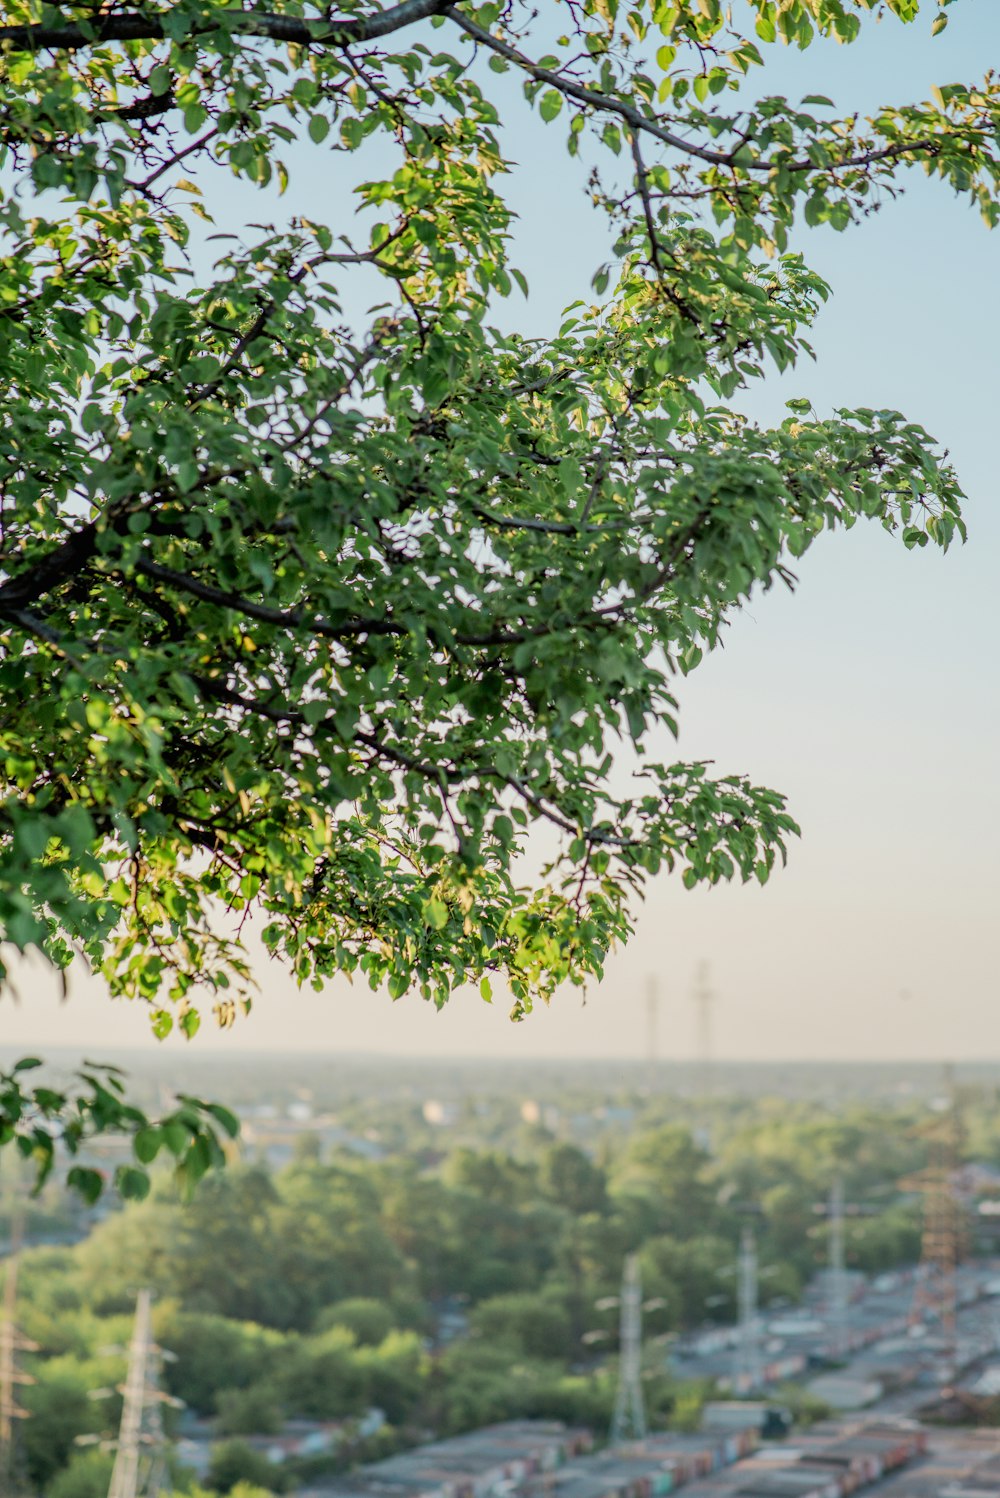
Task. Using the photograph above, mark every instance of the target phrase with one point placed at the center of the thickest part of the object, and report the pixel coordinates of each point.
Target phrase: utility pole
(629, 1422)
(140, 1469)
(747, 1368)
(837, 1299)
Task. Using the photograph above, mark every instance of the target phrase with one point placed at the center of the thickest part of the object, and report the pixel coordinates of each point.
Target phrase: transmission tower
(837, 1298)
(140, 1469)
(935, 1293)
(11, 1343)
(704, 998)
(747, 1366)
(629, 1422)
(652, 1018)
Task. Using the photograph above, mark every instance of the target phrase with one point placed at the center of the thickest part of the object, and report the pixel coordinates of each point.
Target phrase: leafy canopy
(316, 613)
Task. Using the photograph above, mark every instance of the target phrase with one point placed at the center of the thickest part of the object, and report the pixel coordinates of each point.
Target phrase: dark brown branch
(146, 109)
(337, 32)
(283, 618)
(283, 714)
(529, 523)
(175, 159)
(589, 836)
(259, 325)
(642, 185)
(62, 563)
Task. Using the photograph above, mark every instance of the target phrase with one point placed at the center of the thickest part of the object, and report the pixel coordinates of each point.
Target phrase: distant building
(440, 1114)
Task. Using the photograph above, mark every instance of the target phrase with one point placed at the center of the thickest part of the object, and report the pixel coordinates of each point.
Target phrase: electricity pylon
(11, 1343)
(748, 1370)
(140, 1469)
(935, 1295)
(629, 1422)
(837, 1298)
(704, 998)
(652, 1017)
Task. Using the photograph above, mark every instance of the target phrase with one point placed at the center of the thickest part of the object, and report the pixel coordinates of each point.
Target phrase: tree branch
(284, 618)
(608, 104)
(63, 562)
(336, 32)
(283, 714)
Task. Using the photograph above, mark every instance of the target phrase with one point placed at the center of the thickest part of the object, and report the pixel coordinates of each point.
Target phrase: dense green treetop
(315, 616)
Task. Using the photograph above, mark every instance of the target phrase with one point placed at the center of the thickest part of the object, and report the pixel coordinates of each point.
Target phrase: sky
(871, 696)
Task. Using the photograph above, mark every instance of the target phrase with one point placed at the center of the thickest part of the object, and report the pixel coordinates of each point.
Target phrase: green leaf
(132, 1183)
(162, 1023)
(160, 80)
(230, 1123)
(190, 1023)
(435, 913)
(147, 1143)
(88, 1183)
(175, 1136)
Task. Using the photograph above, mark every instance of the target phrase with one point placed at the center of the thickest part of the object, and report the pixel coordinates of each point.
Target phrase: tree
(492, 1175)
(530, 1324)
(323, 1378)
(368, 1319)
(88, 1475)
(215, 1355)
(572, 1180)
(60, 1410)
(235, 1464)
(665, 1182)
(397, 1371)
(241, 1490)
(256, 1411)
(178, 1253)
(689, 1276)
(314, 615)
(328, 1241)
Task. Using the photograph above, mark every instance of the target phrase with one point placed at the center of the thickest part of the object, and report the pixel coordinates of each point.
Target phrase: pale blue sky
(872, 697)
